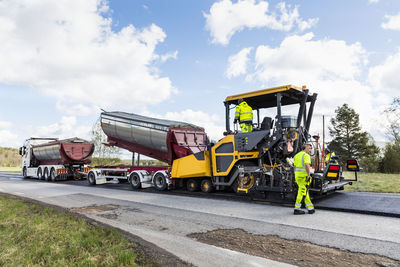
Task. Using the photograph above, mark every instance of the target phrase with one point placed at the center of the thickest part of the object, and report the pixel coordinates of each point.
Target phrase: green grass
(10, 169)
(374, 182)
(35, 235)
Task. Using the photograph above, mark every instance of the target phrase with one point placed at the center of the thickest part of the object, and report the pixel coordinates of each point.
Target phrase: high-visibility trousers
(246, 127)
(303, 193)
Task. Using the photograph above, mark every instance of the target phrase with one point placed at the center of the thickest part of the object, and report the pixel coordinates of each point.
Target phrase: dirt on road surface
(289, 251)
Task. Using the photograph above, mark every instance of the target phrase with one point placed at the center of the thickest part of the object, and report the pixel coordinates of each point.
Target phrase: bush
(391, 158)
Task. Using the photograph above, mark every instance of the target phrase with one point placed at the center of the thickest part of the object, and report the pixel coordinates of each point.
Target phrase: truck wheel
(46, 175)
(24, 173)
(134, 180)
(91, 178)
(206, 186)
(53, 175)
(159, 182)
(39, 174)
(192, 185)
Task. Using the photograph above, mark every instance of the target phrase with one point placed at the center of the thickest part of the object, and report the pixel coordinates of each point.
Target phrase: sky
(63, 61)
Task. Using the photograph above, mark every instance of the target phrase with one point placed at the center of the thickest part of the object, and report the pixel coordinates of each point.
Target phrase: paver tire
(192, 185)
(206, 186)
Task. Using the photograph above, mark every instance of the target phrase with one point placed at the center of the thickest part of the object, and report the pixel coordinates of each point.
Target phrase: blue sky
(61, 61)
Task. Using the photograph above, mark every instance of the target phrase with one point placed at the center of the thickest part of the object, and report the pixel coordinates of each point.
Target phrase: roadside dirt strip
(209, 232)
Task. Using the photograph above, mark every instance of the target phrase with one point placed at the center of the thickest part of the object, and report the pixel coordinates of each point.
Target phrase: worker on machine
(329, 155)
(302, 162)
(244, 115)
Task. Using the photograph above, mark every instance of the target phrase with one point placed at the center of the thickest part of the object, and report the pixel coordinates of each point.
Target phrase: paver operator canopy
(274, 97)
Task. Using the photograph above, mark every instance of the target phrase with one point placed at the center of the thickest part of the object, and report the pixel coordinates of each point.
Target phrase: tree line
(350, 141)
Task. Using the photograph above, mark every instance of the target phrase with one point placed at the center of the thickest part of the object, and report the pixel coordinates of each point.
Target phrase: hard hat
(308, 143)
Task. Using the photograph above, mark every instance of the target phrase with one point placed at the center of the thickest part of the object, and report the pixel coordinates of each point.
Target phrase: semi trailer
(164, 140)
(255, 162)
(52, 159)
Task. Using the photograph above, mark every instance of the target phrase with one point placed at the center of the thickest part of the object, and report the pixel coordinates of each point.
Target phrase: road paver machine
(261, 161)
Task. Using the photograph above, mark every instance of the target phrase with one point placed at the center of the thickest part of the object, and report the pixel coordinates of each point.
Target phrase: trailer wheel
(24, 173)
(39, 174)
(46, 175)
(134, 180)
(192, 185)
(159, 182)
(91, 178)
(206, 186)
(53, 175)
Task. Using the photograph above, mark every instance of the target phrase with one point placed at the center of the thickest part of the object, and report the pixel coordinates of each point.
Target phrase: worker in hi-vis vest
(329, 155)
(302, 162)
(244, 115)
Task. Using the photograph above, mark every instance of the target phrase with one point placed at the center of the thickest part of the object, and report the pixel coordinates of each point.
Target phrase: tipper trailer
(164, 140)
(255, 162)
(52, 159)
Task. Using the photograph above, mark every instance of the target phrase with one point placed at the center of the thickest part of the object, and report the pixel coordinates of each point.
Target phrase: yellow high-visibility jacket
(328, 157)
(244, 113)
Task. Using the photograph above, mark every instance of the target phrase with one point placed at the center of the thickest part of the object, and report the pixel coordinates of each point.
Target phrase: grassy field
(10, 169)
(36, 235)
(374, 182)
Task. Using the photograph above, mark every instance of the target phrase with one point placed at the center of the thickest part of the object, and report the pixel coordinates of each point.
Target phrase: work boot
(311, 211)
(298, 212)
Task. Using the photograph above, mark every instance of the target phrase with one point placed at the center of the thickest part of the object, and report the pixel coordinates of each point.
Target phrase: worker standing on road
(302, 162)
(329, 155)
(244, 115)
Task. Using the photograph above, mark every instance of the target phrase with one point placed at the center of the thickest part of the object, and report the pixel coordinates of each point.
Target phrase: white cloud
(385, 77)
(331, 68)
(67, 49)
(169, 55)
(392, 22)
(300, 58)
(237, 64)
(226, 18)
(7, 137)
(66, 128)
(373, 1)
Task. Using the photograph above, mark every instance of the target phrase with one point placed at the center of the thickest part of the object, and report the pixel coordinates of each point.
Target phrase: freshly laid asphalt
(362, 202)
(165, 220)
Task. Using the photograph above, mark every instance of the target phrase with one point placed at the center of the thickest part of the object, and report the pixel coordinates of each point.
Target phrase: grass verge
(10, 169)
(374, 182)
(36, 235)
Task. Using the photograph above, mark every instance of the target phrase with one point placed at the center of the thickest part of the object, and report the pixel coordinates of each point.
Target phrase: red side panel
(76, 151)
(185, 142)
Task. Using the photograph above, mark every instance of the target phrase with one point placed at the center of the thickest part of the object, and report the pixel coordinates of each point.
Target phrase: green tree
(391, 158)
(393, 117)
(349, 141)
(103, 155)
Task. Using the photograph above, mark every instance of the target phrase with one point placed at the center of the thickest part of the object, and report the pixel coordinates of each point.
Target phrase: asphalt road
(166, 220)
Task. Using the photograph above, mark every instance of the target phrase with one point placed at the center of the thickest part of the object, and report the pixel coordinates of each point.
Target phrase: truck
(52, 159)
(257, 162)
